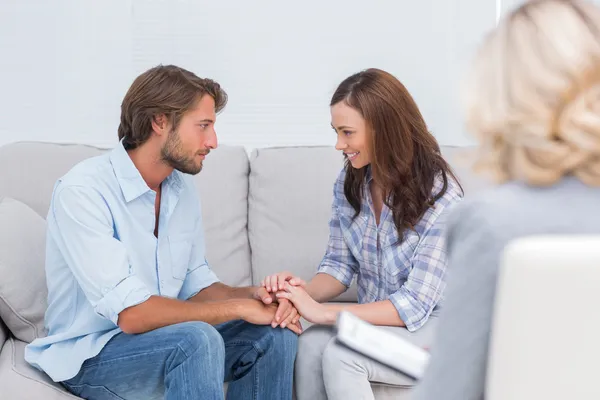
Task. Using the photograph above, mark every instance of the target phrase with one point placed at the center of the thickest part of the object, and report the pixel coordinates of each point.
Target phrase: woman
(387, 229)
(533, 101)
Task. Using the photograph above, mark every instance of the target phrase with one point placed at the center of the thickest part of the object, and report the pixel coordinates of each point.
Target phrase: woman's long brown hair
(406, 157)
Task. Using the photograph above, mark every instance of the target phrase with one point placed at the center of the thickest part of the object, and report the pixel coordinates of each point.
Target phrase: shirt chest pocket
(180, 249)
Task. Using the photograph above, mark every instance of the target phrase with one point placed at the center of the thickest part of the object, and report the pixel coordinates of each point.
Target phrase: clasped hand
(288, 288)
(284, 312)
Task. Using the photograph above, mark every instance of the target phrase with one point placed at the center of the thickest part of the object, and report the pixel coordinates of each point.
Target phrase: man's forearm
(245, 292)
(157, 312)
(324, 287)
(221, 292)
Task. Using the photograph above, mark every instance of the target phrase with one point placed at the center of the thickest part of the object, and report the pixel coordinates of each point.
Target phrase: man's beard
(173, 154)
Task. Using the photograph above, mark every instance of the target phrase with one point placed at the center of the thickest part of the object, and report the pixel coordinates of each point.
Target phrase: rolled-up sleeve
(197, 279)
(81, 225)
(199, 274)
(417, 298)
(338, 260)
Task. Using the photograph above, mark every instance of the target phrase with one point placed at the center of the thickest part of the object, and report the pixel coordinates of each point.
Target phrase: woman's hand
(310, 309)
(274, 283)
(286, 315)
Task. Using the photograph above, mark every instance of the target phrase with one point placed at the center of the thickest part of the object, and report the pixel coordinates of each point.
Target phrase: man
(134, 311)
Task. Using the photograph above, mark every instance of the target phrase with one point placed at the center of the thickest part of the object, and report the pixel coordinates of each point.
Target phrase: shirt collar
(130, 180)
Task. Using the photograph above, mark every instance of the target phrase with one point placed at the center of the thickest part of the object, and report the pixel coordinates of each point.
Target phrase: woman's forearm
(324, 287)
(377, 313)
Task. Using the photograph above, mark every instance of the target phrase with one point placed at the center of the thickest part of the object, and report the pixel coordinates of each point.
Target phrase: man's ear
(160, 124)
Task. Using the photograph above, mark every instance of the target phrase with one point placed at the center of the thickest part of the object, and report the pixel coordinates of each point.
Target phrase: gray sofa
(263, 213)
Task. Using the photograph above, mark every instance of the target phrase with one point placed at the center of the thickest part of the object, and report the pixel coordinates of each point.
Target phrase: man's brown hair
(168, 90)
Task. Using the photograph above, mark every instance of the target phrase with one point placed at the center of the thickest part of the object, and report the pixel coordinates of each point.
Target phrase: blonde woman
(533, 101)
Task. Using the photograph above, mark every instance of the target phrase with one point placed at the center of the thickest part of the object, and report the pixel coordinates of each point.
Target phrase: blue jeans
(191, 361)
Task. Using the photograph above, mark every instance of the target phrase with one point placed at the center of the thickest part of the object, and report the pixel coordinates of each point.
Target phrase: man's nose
(211, 140)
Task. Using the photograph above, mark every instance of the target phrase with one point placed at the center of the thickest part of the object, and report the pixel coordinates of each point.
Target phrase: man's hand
(255, 312)
(276, 282)
(264, 296)
(286, 314)
(284, 318)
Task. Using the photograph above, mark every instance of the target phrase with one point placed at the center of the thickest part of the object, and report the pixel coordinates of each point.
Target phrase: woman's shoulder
(452, 194)
(438, 213)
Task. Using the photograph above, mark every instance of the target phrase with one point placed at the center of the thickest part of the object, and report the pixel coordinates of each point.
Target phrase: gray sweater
(478, 230)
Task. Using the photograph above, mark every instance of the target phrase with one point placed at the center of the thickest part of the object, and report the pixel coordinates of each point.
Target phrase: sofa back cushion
(30, 170)
(223, 186)
(461, 160)
(291, 192)
(23, 292)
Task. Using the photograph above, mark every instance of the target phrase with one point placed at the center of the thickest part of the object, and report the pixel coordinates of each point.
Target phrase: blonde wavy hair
(532, 97)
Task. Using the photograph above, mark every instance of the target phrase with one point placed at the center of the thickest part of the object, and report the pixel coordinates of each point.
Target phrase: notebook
(381, 345)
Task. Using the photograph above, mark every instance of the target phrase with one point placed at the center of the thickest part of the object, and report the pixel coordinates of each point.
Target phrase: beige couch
(263, 213)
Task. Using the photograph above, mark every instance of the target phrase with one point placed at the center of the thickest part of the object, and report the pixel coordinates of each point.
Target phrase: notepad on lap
(381, 345)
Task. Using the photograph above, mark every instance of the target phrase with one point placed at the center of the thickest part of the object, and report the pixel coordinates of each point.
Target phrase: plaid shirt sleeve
(338, 260)
(416, 299)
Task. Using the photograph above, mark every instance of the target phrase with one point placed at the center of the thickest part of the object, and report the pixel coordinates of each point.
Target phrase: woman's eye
(347, 133)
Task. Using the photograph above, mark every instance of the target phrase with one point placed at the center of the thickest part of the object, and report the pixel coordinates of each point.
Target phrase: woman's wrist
(330, 314)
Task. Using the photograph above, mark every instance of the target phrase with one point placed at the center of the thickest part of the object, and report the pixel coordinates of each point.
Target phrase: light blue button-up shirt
(102, 255)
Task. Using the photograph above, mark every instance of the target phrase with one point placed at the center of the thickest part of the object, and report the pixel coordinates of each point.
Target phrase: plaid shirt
(410, 274)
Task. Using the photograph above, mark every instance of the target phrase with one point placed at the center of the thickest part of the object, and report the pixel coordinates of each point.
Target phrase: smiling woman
(390, 141)
(387, 228)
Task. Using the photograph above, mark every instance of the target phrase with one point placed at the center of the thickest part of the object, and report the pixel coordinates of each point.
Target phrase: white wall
(66, 64)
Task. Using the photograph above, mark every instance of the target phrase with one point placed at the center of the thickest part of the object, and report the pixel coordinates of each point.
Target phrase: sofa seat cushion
(23, 291)
(20, 381)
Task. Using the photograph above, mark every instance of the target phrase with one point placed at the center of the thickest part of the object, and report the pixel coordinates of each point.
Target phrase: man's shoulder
(87, 171)
(92, 174)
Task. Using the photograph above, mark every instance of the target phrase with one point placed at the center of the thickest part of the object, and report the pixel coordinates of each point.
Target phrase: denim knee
(285, 342)
(198, 338)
